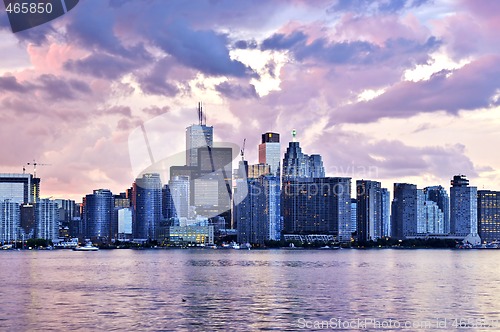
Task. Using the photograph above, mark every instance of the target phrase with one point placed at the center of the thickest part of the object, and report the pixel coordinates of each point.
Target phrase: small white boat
(87, 247)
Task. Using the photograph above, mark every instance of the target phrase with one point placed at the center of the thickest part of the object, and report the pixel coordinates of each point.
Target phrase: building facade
(463, 207)
(270, 152)
(488, 213)
(146, 206)
(46, 219)
(318, 206)
(369, 210)
(407, 211)
(98, 215)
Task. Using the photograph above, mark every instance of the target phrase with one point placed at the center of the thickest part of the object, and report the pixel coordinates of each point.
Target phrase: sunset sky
(394, 90)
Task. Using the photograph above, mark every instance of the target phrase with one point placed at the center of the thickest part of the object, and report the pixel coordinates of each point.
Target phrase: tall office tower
(10, 218)
(488, 213)
(247, 214)
(316, 168)
(386, 212)
(270, 152)
(213, 187)
(434, 219)
(295, 163)
(19, 188)
(407, 210)
(369, 210)
(257, 170)
(198, 136)
(46, 219)
(98, 215)
(318, 206)
(177, 199)
(463, 207)
(258, 216)
(439, 195)
(354, 207)
(146, 206)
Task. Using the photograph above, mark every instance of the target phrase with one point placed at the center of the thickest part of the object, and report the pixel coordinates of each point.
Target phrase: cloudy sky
(394, 90)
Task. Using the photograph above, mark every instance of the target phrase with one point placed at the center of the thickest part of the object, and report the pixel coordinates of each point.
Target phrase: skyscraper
(179, 195)
(369, 210)
(439, 195)
(197, 136)
(354, 214)
(146, 206)
(463, 207)
(488, 212)
(10, 218)
(46, 220)
(270, 152)
(98, 215)
(407, 210)
(318, 206)
(386, 212)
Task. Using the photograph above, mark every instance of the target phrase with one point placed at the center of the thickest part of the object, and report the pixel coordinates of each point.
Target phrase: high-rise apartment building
(439, 195)
(488, 213)
(463, 207)
(146, 206)
(10, 218)
(98, 215)
(386, 212)
(369, 210)
(407, 211)
(46, 219)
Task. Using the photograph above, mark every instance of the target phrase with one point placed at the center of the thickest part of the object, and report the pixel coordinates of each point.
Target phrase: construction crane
(34, 163)
(242, 151)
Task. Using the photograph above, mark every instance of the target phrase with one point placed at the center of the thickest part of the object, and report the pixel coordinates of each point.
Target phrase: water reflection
(241, 290)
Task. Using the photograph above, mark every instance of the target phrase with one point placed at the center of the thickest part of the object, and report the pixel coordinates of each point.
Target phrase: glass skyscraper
(10, 219)
(369, 210)
(407, 211)
(197, 136)
(488, 213)
(270, 152)
(318, 206)
(439, 195)
(147, 206)
(98, 215)
(463, 207)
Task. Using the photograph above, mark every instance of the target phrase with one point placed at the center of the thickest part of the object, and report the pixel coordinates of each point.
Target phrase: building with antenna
(197, 136)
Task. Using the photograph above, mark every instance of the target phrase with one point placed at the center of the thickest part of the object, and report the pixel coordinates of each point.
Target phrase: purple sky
(394, 90)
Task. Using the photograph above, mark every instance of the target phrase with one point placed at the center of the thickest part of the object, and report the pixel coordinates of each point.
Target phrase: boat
(87, 247)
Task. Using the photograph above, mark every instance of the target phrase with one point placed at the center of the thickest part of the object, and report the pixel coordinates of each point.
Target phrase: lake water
(229, 290)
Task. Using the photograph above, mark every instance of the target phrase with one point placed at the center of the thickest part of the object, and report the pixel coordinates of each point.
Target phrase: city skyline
(409, 88)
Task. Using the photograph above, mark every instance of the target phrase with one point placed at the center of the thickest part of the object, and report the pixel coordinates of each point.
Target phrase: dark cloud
(352, 52)
(120, 110)
(280, 41)
(57, 88)
(155, 110)
(10, 83)
(101, 66)
(160, 80)
(245, 44)
(236, 91)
